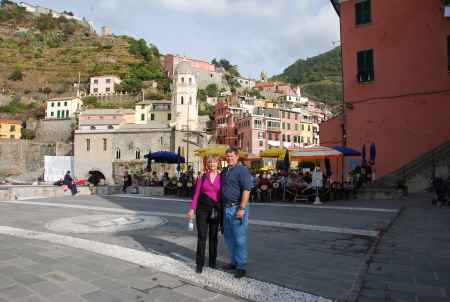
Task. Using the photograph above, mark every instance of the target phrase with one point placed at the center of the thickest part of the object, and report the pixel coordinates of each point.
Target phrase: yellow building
(10, 128)
(153, 111)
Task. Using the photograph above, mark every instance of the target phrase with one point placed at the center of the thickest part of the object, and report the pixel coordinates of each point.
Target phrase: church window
(182, 100)
(190, 80)
(190, 100)
(182, 79)
(118, 153)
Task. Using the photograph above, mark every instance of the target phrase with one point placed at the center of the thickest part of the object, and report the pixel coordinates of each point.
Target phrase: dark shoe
(213, 266)
(239, 273)
(229, 266)
(199, 270)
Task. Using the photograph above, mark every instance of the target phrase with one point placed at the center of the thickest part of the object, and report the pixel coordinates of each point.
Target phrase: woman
(207, 196)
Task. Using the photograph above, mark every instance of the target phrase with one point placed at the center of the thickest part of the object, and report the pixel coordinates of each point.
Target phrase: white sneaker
(75, 194)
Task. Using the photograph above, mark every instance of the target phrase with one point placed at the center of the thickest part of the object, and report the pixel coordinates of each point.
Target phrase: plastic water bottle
(191, 225)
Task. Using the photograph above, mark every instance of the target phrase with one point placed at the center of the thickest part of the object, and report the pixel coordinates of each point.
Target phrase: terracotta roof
(10, 121)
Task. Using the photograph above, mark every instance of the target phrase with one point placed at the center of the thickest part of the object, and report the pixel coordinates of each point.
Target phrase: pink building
(396, 64)
(274, 87)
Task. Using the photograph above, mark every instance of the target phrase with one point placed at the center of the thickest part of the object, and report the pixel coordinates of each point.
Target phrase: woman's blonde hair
(216, 158)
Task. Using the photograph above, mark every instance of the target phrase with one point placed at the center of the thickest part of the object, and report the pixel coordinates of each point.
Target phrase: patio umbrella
(267, 168)
(347, 151)
(250, 157)
(179, 159)
(274, 152)
(316, 152)
(221, 151)
(372, 152)
(149, 163)
(165, 157)
(363, 154)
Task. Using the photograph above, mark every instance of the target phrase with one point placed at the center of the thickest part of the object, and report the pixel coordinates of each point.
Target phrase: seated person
(182, 188)
(307, 177)
(309, 192)
(264, 181)
(59, 182)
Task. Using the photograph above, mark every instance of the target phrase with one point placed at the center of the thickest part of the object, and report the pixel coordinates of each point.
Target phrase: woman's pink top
(210, 189)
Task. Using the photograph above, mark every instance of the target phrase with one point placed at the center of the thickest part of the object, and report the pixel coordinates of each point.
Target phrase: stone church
(109, 145)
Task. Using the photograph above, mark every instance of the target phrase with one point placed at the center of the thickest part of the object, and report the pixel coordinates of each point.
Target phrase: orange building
(396, 79)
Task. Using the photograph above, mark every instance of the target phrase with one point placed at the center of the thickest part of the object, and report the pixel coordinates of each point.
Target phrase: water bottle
(191, 225)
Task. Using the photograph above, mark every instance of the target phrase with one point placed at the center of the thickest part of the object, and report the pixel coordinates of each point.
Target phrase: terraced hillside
(57, 53)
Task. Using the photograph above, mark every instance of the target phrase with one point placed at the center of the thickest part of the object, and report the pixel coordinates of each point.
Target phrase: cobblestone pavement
(138, 248)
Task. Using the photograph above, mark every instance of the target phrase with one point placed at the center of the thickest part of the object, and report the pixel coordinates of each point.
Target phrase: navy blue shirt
(234, 182)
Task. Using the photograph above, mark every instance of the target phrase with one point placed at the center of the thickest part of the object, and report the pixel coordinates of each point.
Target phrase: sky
(256, 35)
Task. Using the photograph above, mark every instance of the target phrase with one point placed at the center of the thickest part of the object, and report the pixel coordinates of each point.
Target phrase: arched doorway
(97, 176)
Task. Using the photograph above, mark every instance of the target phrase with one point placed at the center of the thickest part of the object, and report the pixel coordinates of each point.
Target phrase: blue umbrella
(363, 153)
(328, 167)
(347, 151)
(373, 152)
(149, 163)
(164, 157)
(179, 159)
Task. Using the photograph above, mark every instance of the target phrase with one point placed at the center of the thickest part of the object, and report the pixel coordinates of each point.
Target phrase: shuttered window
(365, 63)
(363, 12)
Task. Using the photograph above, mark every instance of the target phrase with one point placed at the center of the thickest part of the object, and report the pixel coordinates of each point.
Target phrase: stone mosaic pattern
(104, 223)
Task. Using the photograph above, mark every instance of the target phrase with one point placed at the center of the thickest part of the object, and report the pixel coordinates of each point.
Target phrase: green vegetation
(320, 77)
(17, 107)
(27, 133)
(16, 75)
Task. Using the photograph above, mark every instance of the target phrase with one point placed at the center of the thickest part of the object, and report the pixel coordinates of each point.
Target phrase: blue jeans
(235, 234)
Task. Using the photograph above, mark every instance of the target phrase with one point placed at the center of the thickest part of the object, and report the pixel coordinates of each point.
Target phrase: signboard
(316, 179)
(353, 163)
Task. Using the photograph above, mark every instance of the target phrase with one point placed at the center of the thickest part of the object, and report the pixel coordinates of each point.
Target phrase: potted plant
(139, 175)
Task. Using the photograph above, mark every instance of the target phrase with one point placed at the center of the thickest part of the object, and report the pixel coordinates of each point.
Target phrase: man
(68, 181)
(126, 182)
(264, 181)
(236, 187)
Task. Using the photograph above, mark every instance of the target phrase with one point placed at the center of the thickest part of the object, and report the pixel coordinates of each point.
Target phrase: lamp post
(344, 141)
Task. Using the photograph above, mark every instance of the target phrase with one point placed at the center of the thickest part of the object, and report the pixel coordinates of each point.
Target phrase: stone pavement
(138, 248)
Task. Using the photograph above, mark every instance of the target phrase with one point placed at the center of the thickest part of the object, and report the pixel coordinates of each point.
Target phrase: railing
(427, 160)
(273, 129)
(222, 125)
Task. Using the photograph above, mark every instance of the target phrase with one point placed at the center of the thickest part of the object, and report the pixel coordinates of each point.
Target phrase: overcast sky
(256, 35)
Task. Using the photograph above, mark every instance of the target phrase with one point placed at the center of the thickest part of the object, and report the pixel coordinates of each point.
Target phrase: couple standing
(231, 188)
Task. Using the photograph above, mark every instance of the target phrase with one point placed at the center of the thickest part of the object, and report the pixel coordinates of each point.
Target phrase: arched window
(118, 153)
(137, 154)
(190, 80)
(67, 113)
(190, 100)
(110, 127)
(182, 101)
(182, 79)
(93, 128)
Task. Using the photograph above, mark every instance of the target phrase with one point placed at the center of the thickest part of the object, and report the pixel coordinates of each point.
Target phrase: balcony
(222, 125)
(273, 129)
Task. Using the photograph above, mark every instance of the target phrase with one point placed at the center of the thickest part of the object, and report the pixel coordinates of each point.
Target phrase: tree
(214, 61)
(47, 90)
(27, 133)
(225, 64)
(256, 165)
(16, 75)
(212, 89)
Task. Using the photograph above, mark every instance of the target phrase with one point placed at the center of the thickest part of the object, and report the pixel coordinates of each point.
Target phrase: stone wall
(54, 130)
(23, 155)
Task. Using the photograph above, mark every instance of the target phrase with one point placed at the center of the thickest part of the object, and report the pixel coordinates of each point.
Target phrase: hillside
(40, 54)
(319, 77)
